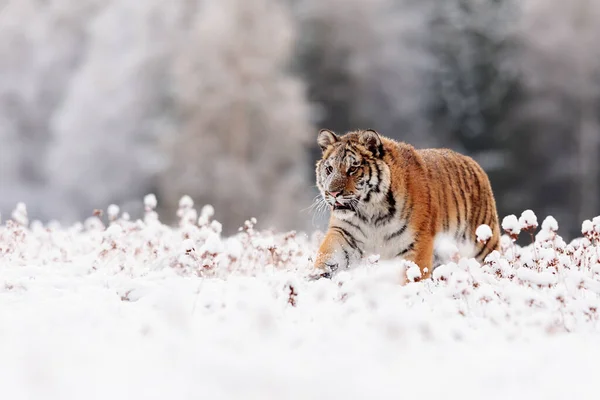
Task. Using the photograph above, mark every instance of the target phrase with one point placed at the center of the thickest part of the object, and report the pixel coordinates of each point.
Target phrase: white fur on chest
(376, 242)
(376, 239)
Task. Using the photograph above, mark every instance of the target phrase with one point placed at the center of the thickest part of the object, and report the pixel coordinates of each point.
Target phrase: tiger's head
(351, 174)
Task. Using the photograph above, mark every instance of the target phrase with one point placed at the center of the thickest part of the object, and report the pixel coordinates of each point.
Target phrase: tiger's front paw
(323, 270)
(325, 266)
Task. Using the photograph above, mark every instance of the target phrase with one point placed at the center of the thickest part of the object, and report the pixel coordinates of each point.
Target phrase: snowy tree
(367, 63)
(475, 86)
(474, 80)
(244, 123)
(560, 63)
(41, 44)
(105, 132)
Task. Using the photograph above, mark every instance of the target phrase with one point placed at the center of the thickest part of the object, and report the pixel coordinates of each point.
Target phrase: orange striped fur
(388, 198)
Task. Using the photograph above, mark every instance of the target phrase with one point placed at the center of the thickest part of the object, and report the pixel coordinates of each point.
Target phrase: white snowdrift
(116, 309)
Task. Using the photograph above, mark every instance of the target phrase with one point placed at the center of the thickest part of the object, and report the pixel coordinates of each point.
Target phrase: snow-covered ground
(118, 309)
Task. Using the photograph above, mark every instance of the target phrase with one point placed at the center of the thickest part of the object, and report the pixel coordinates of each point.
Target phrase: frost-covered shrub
(548, 284)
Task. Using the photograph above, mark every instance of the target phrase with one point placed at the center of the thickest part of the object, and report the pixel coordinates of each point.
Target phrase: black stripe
(404, 204)
(463, 193)
(454, 181)
(481, 198)
(372, 173)
(452, 189)
(406, 250)
(368, 198)
(467, 170)
(347, 257)
(373, 187)
(376, 188)
(483, 212)
(485, 209)
(409, 210)
(362, 217)
(351, 240)
(392, 157)
(368, 182)
(397, 233)
(484, 220)
(492, 243)
(480, 209)
(458, 215)
(446, 188)
(429, 179)
(496, 243)
(353, 152)
(444, 206)
(476, 182)
(461, 187)
(391, 211)
(355, 226)
(481, 251)
(380, 150)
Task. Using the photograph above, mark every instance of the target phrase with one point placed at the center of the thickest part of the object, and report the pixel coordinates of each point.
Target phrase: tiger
(390, 199)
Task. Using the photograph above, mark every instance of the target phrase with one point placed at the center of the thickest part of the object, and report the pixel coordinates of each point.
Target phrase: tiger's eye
(329, 169)
(352, 170)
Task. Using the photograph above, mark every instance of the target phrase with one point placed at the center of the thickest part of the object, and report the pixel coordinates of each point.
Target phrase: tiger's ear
(326, 138)
(372, 141)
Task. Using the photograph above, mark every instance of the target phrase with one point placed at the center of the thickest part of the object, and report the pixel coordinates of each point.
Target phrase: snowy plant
(528, 221)
(113, 212)
(512, 226)
(20, 214)
(483, 233)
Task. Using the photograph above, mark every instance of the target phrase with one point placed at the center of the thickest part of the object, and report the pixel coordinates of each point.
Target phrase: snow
(186, 202)
(550, 224)
(445, 247)
(587, 227)
(528, 220)
(206, 214)
(150, 201)
(483, 233)
(412, 272)
(596, 222)
(511, 224)
(141, 310)
(20, 214)
(113, 211)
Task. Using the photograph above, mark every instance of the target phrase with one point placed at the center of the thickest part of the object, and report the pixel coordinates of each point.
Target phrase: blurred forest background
(103, 101)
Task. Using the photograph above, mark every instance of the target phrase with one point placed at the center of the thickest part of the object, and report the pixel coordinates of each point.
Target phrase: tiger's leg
(337, 250)
(422, 254)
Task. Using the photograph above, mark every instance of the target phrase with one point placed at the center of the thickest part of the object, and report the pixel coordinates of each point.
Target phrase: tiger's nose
(334, 194)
